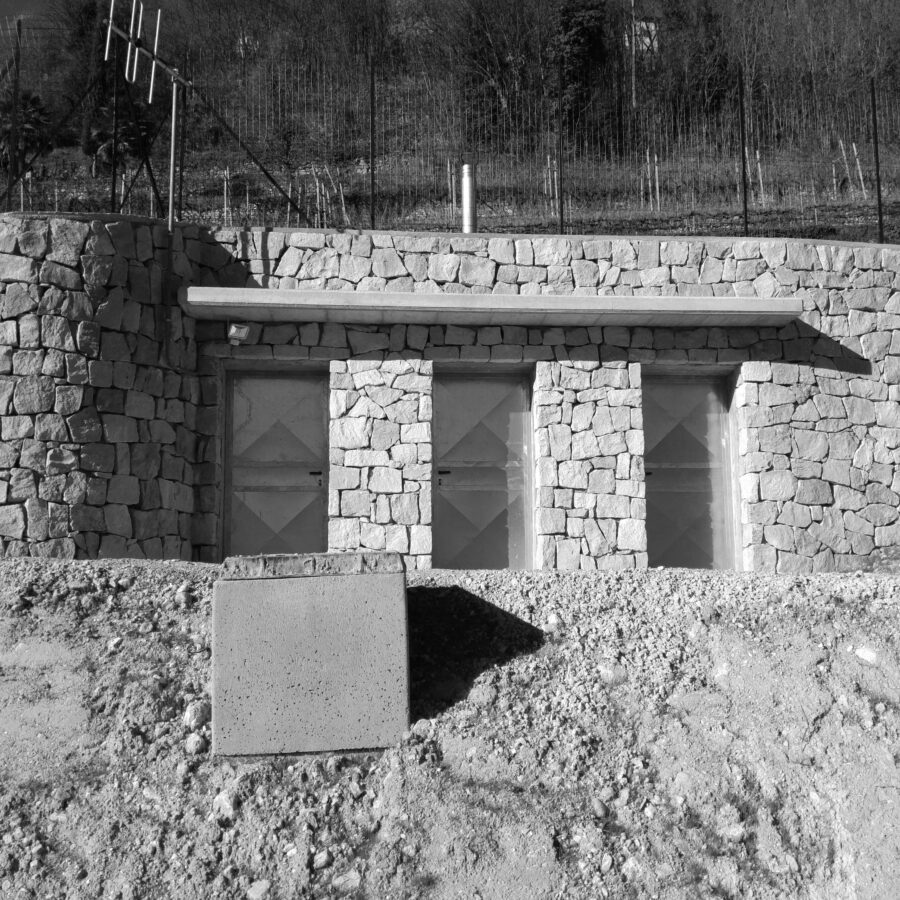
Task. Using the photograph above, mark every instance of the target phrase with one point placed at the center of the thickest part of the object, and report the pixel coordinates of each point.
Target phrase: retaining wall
(111, 399)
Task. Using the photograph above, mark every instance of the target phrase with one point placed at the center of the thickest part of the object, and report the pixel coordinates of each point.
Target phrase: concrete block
(309, 664)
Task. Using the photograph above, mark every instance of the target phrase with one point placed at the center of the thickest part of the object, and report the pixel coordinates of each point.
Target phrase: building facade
(468, 401)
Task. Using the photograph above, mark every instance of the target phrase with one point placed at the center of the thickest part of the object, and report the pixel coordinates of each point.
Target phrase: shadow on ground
(453, 637)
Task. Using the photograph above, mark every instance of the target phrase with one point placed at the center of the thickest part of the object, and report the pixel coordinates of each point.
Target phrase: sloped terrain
(666, 734)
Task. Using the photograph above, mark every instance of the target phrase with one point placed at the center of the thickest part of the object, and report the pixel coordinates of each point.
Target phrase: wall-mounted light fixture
(238, 334)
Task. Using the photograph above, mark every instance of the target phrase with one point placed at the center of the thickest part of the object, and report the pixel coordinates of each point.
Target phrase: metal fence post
(469, 200)
(560, 193)
(173, 145)
(372, 139)
(114, 152)
(12, 172)
(877, 161)
(743, 148)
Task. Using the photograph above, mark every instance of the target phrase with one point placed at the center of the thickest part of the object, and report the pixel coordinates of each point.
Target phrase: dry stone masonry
(589, 473)
(379, 486)
(112, 399)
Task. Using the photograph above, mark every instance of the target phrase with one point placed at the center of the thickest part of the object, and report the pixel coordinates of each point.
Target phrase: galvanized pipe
(469, 200)
(176, 86)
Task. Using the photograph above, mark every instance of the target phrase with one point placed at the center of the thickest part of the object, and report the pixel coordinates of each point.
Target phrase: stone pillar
(590, 510)
(379, 489)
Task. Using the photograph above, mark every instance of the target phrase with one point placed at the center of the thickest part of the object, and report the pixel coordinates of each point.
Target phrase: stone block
(443, 267)
(17, 268)
(405, 509)
(386, 263)
(120, 429)
(61, 276)
(348, 434)
(474, 270)
(777, 485)
(12, 521)
(67, 237)
(34, 394)
(384, 480)
(309, 664)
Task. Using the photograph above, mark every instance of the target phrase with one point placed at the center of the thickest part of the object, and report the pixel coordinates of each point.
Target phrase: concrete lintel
(386, 308)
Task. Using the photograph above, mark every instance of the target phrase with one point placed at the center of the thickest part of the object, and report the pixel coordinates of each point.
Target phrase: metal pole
(114, 156)
(182, 139)
(877, 162)
(372, 139)
(172, 148)
(560, 193)
(12, 171)
(469, 200)
(743, 149)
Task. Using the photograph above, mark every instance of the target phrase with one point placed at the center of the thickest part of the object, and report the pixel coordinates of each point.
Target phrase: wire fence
(539, 162)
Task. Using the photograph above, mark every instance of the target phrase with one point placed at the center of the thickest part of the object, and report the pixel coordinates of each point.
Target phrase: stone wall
(111, 399)
(98, 397)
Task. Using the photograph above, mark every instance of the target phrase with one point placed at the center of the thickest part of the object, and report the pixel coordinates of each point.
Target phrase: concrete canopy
(377, 307)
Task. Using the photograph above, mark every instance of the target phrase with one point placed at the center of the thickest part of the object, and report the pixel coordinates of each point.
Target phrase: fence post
(372, 139)
(181, 140)
(469, 200)
(560, 193)
(172, 147)
(877, 161)
(13, 146)
(743, 148)
(114, 153)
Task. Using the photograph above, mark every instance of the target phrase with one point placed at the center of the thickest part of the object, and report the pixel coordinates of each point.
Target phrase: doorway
(482, 501)
(687, 461)
(276, 464)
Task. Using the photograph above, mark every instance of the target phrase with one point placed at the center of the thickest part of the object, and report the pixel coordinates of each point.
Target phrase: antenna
(130, 38)
(179, 82)
(153, 61)
(136, 46)
(112, 9)
(137, 38)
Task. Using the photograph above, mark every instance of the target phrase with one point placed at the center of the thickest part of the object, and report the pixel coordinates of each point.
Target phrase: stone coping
(719, 239)
(305, 565)
(384, 307)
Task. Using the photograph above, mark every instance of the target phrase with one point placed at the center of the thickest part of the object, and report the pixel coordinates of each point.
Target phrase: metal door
(277, 460)
(688, 474)
(481, 463)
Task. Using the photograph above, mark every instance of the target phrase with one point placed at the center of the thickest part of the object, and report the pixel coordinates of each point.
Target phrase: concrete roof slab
(385, 308)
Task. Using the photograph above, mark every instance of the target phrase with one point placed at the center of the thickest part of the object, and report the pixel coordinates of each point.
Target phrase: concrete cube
(310, 663)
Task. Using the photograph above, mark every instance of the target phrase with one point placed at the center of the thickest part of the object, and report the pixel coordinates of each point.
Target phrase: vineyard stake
(743, 149)
(877, 162)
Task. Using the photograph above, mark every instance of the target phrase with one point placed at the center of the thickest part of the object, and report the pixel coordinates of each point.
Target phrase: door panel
(688, 474)
(481, 460)
(277, 460)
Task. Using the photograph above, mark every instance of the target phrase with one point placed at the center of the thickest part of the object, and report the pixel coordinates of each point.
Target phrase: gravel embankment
(671, 734)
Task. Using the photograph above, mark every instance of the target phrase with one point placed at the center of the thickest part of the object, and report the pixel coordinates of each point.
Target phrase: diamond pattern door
(277, 460)
(688, 476)
(481, 500)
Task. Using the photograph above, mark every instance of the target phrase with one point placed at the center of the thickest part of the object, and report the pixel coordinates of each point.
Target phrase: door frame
(725, 379)
(232, 369)
(525, 373)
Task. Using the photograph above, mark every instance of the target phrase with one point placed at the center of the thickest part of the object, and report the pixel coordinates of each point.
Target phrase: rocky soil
(670, 734)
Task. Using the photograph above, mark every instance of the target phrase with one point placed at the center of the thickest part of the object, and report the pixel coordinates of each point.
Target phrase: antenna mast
(136, 47)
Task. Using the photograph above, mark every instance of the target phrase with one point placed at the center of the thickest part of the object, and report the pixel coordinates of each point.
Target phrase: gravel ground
(671, 734)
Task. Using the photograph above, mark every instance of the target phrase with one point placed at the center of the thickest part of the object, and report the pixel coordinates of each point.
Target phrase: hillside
(666, 734)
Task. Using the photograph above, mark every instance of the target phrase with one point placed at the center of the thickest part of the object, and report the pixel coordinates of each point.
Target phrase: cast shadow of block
(453, 637)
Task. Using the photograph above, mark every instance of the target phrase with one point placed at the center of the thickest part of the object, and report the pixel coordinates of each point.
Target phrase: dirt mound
(672, 734)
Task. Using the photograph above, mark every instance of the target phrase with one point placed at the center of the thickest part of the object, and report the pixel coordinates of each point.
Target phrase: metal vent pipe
(469, 200)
